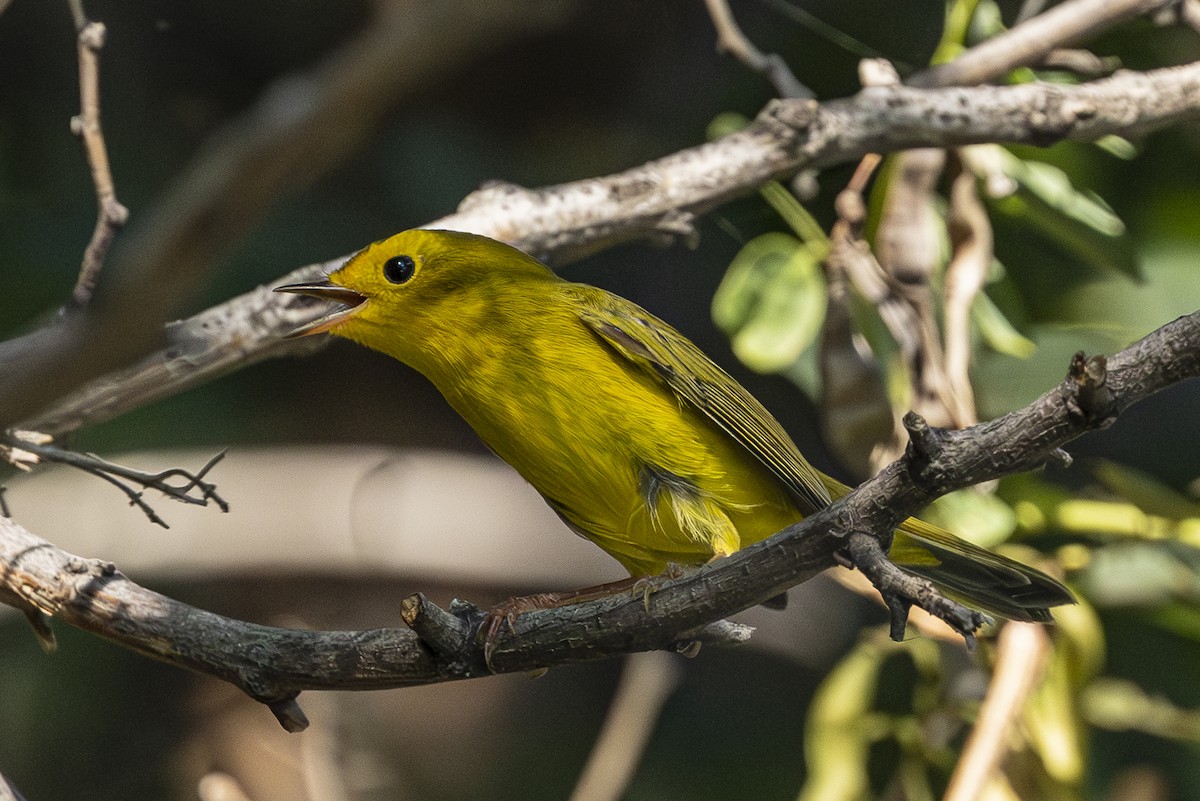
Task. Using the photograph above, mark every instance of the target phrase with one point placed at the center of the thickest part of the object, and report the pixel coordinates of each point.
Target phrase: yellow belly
(647, 479)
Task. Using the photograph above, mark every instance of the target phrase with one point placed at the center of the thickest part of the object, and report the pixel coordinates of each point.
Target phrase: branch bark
(273, 665)
(660, 198)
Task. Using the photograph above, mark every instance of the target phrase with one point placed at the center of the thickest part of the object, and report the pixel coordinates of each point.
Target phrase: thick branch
(664, 196)
(273, 665)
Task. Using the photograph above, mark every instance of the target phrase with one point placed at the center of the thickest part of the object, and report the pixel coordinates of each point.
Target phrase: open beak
(325, 290)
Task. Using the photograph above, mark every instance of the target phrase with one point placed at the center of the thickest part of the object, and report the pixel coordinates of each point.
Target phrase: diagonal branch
(8, 790)
(1035, 38)
(273, 665)
(664, 197)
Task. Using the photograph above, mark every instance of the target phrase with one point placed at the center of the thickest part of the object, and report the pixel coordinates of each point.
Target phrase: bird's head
(416, 284)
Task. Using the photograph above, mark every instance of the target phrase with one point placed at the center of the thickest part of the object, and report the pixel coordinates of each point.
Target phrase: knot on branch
(450, 636)
(1089, 398)
(795, 115)
(925, 452)
(499, 193)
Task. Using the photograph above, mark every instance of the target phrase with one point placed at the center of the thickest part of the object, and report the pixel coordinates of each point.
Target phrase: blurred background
(349, 478)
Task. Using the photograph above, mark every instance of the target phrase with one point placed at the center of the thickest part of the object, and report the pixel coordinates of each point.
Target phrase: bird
(633, 436)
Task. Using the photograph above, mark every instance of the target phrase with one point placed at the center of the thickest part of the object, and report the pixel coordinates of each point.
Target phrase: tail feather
(976, 576)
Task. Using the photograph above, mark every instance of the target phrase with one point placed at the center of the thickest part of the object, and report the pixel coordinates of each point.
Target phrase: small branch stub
(901, 591)
(1092, 400)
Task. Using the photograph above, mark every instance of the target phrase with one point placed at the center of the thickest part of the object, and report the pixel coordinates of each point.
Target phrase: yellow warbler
(632, 435)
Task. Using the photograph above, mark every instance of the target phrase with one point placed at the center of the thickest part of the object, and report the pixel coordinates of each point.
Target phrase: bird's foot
(506, 612)
(646, 586)
(901, 591)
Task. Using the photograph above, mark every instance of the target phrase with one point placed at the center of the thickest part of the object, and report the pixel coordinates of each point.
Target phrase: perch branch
(664, 196)
(273, 665)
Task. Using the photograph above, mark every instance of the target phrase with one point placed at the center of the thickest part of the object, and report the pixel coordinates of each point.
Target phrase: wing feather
(658, 349)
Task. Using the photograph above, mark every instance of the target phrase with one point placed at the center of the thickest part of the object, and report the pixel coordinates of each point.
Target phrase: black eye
(399, 269)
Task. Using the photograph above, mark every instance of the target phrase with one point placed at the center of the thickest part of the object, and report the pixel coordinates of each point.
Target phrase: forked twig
(111, 215)
(194, 489)
(771, 66)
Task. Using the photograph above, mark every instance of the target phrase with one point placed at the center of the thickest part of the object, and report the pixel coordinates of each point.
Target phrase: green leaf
(1149, 494)
(1121, 705)
(1053, 186)
(841, 726)
(772, 301)
(1083, 243)
(1117, 146)
(725, 123)
(981, 518)
(1000, 335)
(797, 217)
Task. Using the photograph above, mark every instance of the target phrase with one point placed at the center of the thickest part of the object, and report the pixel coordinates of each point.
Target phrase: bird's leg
(507, 611)
(901, 591)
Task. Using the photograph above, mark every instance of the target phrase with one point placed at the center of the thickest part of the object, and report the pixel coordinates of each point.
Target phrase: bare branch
(272, 665)
(1034, 39)
(111, 215)
(227, 337)
(1021, 656)
(662, 197)
(646, 683)
(730, 39)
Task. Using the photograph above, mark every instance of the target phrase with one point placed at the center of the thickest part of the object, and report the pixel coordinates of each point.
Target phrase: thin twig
(1030, 42)
(646, 683)
(908, 250)
(111, 215)
(124, 478)
(970, 260)
(771, 66)
(1020, 657)
(851, 261)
